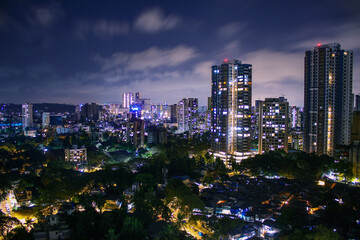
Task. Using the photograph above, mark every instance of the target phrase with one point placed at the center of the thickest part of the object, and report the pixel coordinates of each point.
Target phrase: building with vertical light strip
(273, 124)
(128, 98)
(327, 98)
(27, 115)
(231, 110)
(296, 117)
(187, 114)
(45, 119)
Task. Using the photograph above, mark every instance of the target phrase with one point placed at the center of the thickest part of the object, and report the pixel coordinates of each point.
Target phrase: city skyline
(206, 119)
(66, 52)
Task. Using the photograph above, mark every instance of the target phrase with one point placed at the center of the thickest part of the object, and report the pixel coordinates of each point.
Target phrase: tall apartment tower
(27, 115)
(135, 132)
(187, 113)
(173, 113)
(231, 110)
(45, 119)
(327, 98)
(273, 124)
(128, 98)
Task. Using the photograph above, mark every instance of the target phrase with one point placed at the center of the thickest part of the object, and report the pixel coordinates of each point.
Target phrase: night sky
(78, 51)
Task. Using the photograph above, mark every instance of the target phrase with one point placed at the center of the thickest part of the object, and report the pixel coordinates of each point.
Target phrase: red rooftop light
(225, 60)
(319, 44)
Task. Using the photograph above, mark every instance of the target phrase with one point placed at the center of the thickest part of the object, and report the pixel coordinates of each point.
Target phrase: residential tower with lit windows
(327, 98)
(187, 115)
(273, 124)
(231, 110)
(27, 115)
(128, 98)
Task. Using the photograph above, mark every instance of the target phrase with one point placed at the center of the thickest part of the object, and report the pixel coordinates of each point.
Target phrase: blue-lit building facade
(27, 115)
(231, 89)
(327, 98)
(187, 115)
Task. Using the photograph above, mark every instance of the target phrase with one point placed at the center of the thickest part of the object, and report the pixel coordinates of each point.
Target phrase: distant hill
(54, 107)
(41, 107)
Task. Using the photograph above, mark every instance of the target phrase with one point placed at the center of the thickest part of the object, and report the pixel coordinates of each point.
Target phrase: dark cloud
(231, 30)
(148, 59)
(3, 20)
(271, 69)
(147, 70)
(36, 73)
(110, 28)
(8, 72)
(46, 15)
(345, 34)
(101, 28)
(154, 20)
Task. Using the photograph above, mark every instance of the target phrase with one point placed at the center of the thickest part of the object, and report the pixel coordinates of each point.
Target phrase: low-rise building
(76, 155)
(23, 197)
(54, 228)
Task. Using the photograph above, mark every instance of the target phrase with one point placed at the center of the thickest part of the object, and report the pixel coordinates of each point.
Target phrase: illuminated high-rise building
(27, 115)
(128, 98)
(45, 119)
(135, 132)
(231, 110)
(327, 98)
(187, 113)
(273, 124)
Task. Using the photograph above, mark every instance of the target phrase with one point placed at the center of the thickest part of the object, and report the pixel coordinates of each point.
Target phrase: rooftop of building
(328, 45)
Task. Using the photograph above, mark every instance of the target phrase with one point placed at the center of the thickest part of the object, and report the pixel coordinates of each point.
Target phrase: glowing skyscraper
(187, 113)
(327, 98)
(231, 110)
(128, 98)
(27, 115)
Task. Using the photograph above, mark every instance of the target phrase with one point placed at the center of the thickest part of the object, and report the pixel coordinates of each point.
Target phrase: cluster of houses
(257, 201)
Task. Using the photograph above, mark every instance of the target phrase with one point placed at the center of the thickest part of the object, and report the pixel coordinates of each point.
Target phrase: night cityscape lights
(228, 120)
